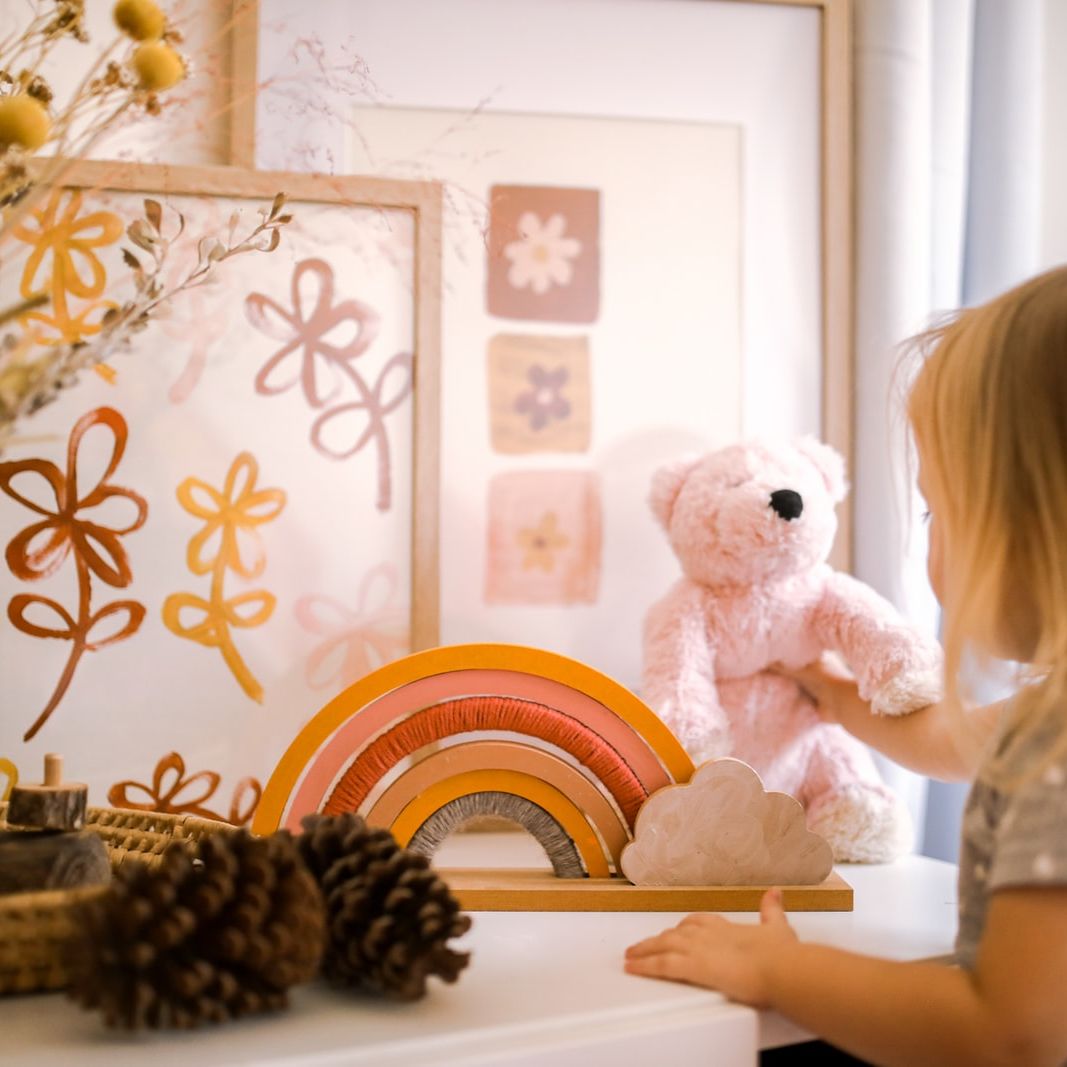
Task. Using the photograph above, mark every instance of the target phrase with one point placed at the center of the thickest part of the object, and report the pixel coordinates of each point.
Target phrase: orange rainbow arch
(613, 751)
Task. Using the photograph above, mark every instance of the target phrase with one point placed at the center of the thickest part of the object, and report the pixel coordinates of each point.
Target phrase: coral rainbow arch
(566, 751)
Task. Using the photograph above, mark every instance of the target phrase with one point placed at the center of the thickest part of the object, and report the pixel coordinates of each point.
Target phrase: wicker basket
(37, 929)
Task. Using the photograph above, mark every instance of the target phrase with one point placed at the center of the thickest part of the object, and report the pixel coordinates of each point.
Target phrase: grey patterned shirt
(1016, 837)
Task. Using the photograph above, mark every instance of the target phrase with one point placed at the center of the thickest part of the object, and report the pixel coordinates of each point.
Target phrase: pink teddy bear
(752, 526)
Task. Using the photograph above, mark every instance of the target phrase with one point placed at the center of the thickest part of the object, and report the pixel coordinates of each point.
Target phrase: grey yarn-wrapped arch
(558, 846)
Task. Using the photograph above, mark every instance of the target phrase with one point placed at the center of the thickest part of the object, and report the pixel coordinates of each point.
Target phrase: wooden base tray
(481, 889)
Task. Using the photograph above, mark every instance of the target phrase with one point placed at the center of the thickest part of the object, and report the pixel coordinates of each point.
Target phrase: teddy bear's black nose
(788, 503)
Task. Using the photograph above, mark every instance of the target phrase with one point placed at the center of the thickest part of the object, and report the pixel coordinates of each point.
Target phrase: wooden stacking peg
(44, 846)
(52, 805)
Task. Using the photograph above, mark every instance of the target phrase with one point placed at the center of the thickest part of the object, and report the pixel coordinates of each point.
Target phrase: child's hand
(708, 950)
(830, 685)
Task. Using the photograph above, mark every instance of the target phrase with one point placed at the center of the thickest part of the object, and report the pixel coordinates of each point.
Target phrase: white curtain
(948, 158)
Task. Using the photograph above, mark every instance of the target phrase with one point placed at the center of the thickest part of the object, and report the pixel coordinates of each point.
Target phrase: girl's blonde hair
(988, 409)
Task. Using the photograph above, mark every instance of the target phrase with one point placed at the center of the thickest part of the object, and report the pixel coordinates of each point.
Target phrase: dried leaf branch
(32, 375)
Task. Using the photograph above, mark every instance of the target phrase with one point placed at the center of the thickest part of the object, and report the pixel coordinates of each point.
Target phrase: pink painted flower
(306, 355)
(354, 643)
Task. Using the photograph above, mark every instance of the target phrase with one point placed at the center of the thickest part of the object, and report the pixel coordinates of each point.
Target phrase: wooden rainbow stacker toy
(428, 742)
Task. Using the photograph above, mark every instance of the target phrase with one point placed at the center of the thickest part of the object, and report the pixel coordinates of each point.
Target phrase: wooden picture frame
(423, 201)
(798, 355)
(406, 216)
(838, 208)
(244, 66)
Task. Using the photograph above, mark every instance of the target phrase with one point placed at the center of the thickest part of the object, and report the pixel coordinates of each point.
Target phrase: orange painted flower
(65, 530)
(40, 549)
(63, 262)
(172, 791)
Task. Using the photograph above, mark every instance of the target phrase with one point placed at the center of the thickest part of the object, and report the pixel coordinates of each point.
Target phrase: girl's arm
(939, 740)
(1008, 1012)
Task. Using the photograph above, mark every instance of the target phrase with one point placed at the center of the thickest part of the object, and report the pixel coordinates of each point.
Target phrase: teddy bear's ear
(829, 463)
(667, 483)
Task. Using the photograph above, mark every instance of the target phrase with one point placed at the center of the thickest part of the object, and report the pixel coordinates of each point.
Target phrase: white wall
(1054, 171)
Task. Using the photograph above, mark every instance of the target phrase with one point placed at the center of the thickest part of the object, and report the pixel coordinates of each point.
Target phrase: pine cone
(389, 915)
(211, 933)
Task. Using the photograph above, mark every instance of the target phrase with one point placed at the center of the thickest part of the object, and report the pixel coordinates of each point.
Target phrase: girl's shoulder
(1031, 751)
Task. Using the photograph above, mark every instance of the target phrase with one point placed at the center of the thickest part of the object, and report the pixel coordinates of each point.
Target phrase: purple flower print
(544, 400)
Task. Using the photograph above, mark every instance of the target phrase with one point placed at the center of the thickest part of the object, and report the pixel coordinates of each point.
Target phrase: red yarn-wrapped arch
(477, 713)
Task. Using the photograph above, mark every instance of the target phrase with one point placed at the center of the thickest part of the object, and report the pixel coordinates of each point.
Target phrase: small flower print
(541, 543)
(543, 537)
(539, 393)
(544, 400)
(542, 255)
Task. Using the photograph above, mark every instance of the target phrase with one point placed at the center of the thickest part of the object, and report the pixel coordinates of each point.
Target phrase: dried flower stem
(28, 383)
(22, 307)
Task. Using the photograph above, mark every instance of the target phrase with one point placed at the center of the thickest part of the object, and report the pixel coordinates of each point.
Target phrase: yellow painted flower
(238, 507)
(216, 550)
(158, 66)
(140, 19)
(23, 122)
(541, 543)
(64, 263)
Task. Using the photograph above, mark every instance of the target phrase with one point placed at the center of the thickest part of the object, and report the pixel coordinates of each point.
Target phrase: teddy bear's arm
(678, 677)
(898, 668)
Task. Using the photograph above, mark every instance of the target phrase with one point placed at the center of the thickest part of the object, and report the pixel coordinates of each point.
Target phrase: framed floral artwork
(755, 233)
(235, 518)
(572, 372)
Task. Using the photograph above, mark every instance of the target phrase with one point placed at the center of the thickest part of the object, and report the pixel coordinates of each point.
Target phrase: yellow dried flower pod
(23, 122)
(140, 19)
(158, 66)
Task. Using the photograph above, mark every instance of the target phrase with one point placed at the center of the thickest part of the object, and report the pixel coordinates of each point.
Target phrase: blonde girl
(988, 410)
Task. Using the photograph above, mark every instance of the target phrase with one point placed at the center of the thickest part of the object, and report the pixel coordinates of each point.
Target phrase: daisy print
(542, 255)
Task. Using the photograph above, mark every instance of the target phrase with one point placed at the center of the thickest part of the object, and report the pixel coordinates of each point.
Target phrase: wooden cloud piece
(724, 828)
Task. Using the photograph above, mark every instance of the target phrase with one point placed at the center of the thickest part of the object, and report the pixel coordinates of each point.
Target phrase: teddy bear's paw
(862, 824)
(909, 691)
